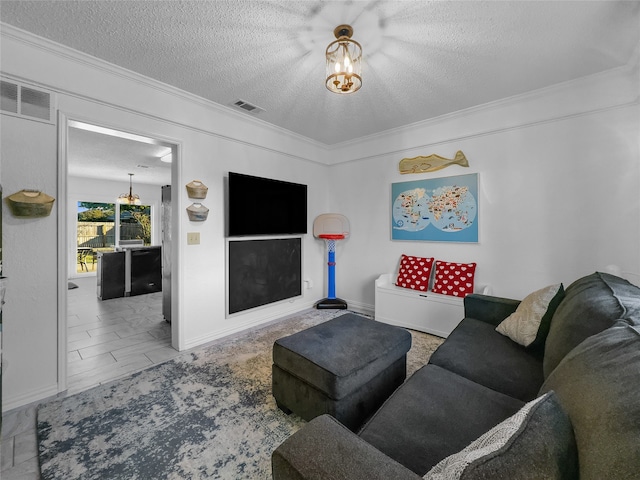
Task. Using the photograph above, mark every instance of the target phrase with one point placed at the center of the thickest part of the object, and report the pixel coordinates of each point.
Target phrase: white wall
(211, 142)
(559, 176)
(29, 327)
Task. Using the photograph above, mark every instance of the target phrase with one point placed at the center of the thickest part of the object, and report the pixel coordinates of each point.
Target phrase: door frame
(62, 260)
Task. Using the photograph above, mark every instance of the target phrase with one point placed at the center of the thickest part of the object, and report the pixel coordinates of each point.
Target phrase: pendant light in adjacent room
(129, 198)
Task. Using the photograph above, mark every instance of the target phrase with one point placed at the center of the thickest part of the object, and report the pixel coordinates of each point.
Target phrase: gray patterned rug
(206, 414)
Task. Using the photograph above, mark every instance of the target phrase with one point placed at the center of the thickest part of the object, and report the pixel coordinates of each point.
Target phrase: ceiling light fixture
(130, 198)
(344, 62)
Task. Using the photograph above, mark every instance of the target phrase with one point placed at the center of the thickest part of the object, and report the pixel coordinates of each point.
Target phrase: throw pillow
(529, 324)
(597, 384)
(414, 272)
(537, 442)
(455, 279)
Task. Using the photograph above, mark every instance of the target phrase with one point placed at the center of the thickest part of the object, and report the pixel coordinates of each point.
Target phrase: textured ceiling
(108, 157)
(422, 59)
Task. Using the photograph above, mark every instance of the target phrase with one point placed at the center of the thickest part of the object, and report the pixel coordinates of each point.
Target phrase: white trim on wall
(178, 333)
(575, 98)
(177, 329)
(63, 143)
(50, 47)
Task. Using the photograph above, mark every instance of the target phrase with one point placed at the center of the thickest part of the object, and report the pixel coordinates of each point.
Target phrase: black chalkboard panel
(263, 272)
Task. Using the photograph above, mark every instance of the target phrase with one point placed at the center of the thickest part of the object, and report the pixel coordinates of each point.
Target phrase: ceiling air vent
(247, 107)
(25, 101)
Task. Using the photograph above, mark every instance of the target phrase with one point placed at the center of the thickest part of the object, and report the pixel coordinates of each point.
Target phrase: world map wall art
(436, 209)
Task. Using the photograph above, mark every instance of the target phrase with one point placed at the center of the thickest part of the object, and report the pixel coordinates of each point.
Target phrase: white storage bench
(423, 311)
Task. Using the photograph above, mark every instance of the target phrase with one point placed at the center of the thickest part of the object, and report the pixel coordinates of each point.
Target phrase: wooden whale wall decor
(431, 163)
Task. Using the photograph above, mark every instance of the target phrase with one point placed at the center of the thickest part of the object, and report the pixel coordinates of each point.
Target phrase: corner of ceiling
(576, 97)
(284, 141)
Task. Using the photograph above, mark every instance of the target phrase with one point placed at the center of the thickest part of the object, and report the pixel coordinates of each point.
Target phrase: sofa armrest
(326, 450)
(488, 308)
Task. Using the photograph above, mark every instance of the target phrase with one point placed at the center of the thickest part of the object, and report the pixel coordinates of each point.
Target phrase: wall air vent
(26, 102)
(247, 107)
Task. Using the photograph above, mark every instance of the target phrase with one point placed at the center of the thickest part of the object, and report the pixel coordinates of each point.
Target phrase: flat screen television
(263, 206)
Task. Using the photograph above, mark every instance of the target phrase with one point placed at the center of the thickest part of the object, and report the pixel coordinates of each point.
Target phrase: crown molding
(624, 70)
(631, 69)
(336, 154)
(69, 53)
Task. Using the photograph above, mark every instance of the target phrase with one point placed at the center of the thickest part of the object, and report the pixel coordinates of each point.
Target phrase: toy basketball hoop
(331, 227)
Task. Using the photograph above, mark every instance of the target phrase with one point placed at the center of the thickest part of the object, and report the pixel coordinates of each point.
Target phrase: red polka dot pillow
(454, 278)
(414, 272)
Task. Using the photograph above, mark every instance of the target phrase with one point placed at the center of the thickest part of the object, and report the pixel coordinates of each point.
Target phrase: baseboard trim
(254, 322)
(364, 308)
(12, 403)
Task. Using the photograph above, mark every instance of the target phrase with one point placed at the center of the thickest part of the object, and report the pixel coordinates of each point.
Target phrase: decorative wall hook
(197, 189)
(197, 212)
(30, 203)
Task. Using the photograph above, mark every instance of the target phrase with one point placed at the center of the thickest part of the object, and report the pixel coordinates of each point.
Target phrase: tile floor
(106, 340)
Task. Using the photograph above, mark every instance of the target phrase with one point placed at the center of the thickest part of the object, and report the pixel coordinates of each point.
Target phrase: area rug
(205, 414)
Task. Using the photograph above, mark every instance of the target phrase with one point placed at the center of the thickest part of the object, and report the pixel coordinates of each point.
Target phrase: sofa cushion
(433, 414)
(324, 449)
(476, 351)
(455, 279)
(597, 384)
(336, 357)
(529, 324)
(591, 304)
(536, 442)
(414, 272)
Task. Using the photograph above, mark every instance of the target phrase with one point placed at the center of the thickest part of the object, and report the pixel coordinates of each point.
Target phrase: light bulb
(338, 67)
(347, 62)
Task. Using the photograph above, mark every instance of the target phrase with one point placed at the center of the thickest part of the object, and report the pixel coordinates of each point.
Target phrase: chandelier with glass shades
(344, 62)
(129, 198)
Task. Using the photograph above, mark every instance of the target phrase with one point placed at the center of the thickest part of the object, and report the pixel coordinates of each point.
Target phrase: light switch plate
(193, 238)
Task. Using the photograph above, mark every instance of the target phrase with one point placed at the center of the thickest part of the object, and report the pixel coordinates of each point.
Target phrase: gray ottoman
(346, 367)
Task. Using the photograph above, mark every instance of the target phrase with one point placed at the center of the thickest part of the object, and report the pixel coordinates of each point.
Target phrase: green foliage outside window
(96, 212)
(135, 221)
(138, 214)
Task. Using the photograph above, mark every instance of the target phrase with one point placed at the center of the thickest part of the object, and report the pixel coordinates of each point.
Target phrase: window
(135, 223)
(97, 230)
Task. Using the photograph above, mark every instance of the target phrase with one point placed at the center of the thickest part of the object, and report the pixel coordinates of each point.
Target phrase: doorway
(100, 167)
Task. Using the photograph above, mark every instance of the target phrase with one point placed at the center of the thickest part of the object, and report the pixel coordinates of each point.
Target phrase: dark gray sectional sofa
(584, 422)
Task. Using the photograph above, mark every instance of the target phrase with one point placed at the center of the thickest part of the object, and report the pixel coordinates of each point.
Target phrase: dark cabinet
(111, 275)
(133, 271)
(146, 270)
